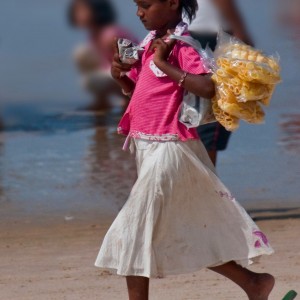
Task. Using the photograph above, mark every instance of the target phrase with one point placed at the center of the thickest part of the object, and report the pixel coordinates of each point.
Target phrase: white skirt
(179, 217)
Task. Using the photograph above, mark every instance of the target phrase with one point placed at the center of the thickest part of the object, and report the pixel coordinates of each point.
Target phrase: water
(59, 163)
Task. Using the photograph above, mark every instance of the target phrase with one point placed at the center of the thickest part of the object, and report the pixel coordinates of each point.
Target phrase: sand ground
(56, 262)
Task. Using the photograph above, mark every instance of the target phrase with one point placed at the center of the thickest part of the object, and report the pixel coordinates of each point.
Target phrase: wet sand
(57, 203)
(56, 262)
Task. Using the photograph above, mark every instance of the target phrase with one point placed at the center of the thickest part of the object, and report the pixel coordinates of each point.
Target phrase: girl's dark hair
(103, 12)
(189, 8)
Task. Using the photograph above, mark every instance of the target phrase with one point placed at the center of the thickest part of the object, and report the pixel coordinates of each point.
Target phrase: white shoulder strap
(206, 54)
(188, 40)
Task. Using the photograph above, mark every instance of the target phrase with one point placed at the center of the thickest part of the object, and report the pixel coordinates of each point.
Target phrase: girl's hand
(117, 67)
(162, 50)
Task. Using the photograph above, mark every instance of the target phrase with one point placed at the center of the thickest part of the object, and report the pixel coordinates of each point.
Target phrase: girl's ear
(174, 4)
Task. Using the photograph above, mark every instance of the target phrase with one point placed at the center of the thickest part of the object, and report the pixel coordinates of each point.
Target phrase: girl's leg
(138, 287)
(257, 286)
(213, 156)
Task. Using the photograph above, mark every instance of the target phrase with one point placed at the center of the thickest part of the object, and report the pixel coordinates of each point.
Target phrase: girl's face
(156, 14)
(82, 15)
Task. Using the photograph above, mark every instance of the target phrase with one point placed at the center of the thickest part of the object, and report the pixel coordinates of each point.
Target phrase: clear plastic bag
(196, 111)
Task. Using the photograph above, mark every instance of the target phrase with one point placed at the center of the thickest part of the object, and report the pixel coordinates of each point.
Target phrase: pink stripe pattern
(154, 109)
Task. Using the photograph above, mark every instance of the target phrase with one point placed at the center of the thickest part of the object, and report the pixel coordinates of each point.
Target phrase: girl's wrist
(126, 84)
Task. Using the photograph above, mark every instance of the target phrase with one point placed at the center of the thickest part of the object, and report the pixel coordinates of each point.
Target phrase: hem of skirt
(249, 261)
(166, 137)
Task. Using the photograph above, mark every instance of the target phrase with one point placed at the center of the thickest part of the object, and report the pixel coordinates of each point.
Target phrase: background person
(98, 18)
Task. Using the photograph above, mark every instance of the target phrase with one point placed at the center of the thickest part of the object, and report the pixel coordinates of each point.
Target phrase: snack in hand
(129, 52)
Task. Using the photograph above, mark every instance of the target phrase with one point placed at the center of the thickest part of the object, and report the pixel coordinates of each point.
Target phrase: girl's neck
(169, 26)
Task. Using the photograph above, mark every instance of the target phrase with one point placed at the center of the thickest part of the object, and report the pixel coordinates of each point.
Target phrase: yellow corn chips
(245, 78)
(250, 112)
(231, 123)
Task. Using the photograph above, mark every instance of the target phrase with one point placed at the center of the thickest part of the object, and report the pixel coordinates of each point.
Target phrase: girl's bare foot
(260, 287)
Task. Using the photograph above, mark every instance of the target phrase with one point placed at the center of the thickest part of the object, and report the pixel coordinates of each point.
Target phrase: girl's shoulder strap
(187, 39)
(206, 54)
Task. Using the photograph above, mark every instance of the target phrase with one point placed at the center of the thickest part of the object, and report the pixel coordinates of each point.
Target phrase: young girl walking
(179, 217)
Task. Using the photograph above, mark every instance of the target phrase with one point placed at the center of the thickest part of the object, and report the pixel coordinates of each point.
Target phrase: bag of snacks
(245, 79)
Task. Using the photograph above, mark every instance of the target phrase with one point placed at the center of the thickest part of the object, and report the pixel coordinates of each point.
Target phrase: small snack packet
(128, 51)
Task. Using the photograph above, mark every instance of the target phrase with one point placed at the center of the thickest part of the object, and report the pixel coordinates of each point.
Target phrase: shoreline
(10, 218)
(57, 262)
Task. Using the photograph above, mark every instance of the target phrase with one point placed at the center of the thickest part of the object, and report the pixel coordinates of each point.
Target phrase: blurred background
(60, 160)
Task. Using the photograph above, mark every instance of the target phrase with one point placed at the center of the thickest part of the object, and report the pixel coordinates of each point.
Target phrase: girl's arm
(126, 84)
(201, 85)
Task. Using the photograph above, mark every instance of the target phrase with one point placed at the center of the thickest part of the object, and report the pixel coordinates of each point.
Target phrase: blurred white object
(93, 78)
(86, 59)
(208, 18)
(69, 218)
(96, 82)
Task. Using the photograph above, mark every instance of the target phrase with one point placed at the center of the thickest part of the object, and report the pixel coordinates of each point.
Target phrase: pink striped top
(153, 112)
